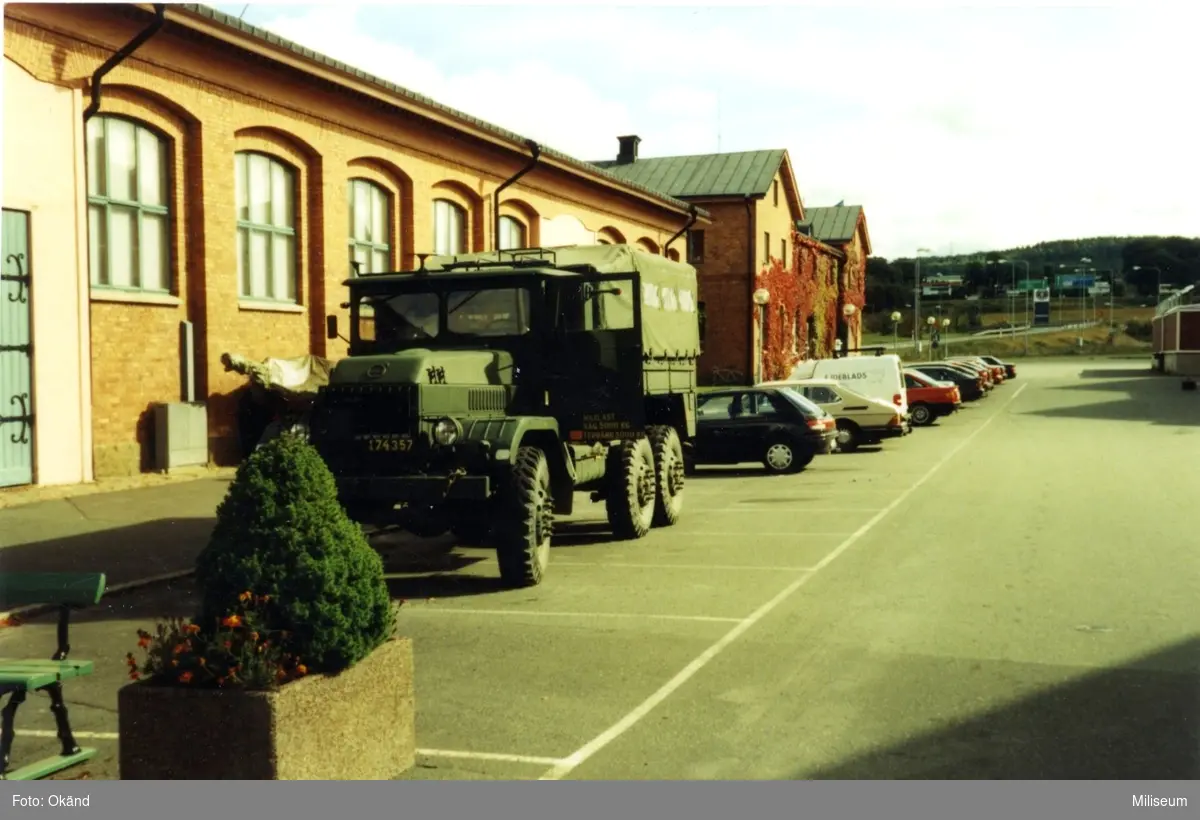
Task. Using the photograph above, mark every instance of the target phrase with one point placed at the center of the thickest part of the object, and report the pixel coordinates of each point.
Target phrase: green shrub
(282, 535)
(1137, 329)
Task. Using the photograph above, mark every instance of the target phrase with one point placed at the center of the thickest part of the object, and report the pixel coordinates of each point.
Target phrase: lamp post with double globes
(931, 321)
(895, 317)
(946, 330)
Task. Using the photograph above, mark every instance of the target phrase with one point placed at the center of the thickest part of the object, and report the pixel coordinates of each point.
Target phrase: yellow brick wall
(211, 99)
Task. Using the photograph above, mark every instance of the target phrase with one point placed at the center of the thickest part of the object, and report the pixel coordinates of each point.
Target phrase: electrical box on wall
(180, 435)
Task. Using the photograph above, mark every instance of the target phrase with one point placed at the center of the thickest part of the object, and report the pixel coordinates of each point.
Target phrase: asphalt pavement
(1008, 594)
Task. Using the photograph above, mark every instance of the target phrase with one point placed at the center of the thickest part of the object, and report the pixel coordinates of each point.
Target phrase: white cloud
(971, 128)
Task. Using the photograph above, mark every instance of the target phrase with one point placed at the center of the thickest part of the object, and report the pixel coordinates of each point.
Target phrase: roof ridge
(274, 39)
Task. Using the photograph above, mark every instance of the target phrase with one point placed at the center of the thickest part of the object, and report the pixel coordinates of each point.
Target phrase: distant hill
(1178, 258)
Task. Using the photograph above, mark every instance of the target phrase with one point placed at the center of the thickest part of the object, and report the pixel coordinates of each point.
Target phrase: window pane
(362, 212)
(379, 216)
(362, 257)
(283, 285)
(243, 197)
(123, 246)
(243, 271)
(97, 245)
(121, 171)
(260, 250)
(439, 228)
(95, 156)
(154, 252)
(259, 189)
(381, 262)
(281, 196)
(152, 168)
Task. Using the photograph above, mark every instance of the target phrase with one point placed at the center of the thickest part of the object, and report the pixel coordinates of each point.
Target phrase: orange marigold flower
(245, 596)
(133, 674)
(144, 642)
(178, 649)
(254, 636)
(174, 663)
(185, 677)
(192, 629)
(301, 669)
(232, 621)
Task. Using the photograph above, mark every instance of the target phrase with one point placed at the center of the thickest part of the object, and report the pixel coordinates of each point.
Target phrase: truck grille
(350, 422)
(483, 399)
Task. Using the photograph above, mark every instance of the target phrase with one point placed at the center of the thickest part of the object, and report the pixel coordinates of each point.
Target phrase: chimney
(629, 149)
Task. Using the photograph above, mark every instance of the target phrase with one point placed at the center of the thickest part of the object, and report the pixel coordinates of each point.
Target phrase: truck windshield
(396, 320)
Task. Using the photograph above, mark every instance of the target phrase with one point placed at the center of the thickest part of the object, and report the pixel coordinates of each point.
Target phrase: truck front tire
(669, 475)
(526, 521)
(631, 496)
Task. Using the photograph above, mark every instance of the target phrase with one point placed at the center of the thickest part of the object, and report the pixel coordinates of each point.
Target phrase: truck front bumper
(417, 489)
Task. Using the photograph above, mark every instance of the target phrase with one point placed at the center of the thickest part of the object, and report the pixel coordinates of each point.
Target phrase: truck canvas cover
(670, 328)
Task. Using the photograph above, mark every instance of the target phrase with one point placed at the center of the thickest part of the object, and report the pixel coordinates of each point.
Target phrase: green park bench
(67, 591)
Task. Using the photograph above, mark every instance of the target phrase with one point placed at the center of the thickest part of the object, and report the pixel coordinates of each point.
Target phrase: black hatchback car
(775, 426)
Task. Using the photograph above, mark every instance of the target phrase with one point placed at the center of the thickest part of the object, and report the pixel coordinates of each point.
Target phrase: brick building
(844, 228)
(759, 222)
(214, 201)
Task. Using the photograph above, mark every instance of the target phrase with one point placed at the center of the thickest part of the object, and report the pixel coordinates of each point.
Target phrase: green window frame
(370, 226)
(129, 211)
(267, 252)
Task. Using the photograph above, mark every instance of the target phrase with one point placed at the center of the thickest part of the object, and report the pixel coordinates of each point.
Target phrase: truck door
(593, 359)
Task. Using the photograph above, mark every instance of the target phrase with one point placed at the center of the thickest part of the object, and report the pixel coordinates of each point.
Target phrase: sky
(958, 128)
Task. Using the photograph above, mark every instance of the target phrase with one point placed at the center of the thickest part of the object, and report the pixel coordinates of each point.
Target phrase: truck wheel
(849, 437)
(526, 521)
(669, 471)
(631, 492)
(921, 415)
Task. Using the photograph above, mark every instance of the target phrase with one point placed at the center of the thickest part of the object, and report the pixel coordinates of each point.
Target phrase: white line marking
(558, 562)
(531, 759)
(756, 534)
(573, 761)
(800, 509)
(412, 607)
(548, 761)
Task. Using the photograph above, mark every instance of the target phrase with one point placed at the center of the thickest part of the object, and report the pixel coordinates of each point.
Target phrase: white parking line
(558, 562)
(573, 761)
(503, 758)
(804, 510)
(412, 607)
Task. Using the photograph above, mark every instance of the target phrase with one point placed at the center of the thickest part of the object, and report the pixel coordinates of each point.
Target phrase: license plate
(379, 444)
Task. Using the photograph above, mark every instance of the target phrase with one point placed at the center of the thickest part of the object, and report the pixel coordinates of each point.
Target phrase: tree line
(1137, 265)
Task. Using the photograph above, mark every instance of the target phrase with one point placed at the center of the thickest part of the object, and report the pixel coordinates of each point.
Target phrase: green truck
(482, 391)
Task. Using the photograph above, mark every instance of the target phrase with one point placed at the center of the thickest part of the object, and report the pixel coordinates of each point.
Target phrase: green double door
(16, 353)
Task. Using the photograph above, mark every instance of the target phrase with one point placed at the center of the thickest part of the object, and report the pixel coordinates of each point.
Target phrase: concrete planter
(358, 725)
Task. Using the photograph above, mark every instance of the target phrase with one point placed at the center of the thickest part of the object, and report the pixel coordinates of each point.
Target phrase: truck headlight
(446, 431)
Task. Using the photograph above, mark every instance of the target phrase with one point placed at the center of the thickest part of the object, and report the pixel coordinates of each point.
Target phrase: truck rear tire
(668, 474)
(631, 496)
(526, 521)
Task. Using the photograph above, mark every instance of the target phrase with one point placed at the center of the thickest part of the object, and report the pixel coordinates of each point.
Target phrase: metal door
(16, 354)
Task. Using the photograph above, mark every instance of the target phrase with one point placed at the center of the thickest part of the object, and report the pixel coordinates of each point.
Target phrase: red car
(927, 400)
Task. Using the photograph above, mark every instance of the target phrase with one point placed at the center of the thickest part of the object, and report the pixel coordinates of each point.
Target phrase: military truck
(482, 391)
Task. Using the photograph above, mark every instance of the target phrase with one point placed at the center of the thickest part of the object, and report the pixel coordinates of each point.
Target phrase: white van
(877, 377)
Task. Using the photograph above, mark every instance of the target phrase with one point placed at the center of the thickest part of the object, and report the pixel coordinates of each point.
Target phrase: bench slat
(36, 674)
(71, 588)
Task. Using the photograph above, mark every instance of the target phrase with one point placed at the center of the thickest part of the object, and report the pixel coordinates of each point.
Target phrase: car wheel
(849, 437)
(920, 415)
(781, 457)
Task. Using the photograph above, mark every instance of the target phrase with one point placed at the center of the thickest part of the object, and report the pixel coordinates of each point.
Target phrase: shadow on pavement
(443, 586)
(123, 553)
(1139, 721)
(1150, 401)
(1119, 373)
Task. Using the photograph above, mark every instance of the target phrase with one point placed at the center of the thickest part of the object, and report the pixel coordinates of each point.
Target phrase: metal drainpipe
(751, 241)
(537, 152)
(160, 19)
(692, 217)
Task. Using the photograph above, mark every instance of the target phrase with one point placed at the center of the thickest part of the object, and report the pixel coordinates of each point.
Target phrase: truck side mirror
(331, 327)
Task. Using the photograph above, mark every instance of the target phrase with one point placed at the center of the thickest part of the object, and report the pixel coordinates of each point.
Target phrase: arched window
(266, 227)
(128, 206)
(449, 228)
(370, 227)
(512, 234)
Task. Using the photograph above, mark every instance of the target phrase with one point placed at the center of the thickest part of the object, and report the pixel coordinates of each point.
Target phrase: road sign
(1076, 280)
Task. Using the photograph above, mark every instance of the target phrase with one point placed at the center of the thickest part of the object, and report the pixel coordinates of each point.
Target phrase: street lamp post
(895, 317)
(848, 312)
(931, 322)
(762, 298)
(946, 331)
(917, 301)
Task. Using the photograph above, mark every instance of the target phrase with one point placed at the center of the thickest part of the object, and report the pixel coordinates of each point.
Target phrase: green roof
(836, 224)
(744, 173)
(268, 37)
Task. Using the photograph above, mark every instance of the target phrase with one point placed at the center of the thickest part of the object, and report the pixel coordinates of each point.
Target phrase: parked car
(1010, 369)
(876, 377)
(970, 385)
(777, 427)
(928, 398)
(984, 374)
(860, 419)
(997, 371)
